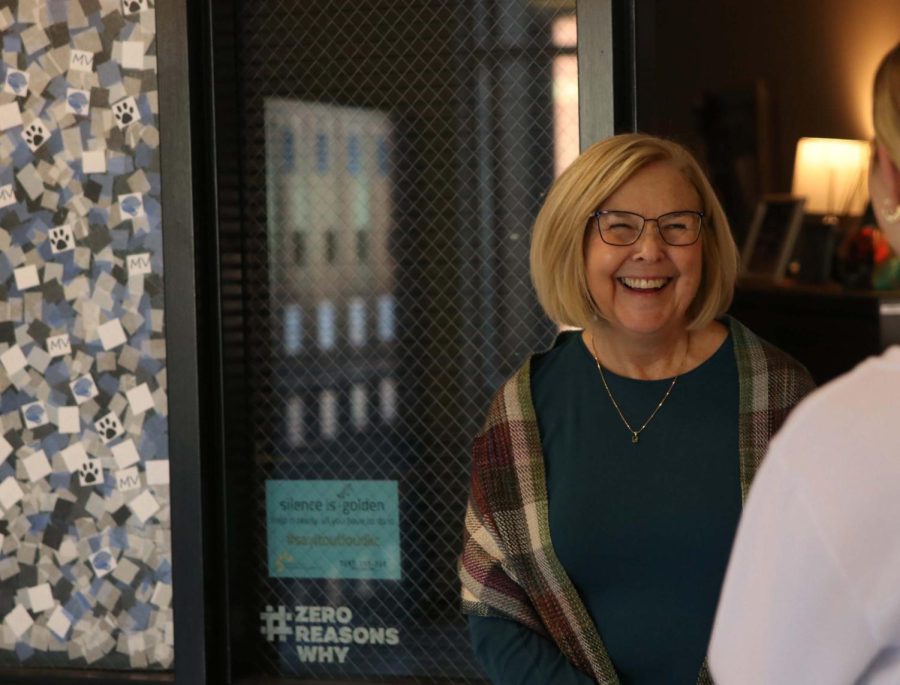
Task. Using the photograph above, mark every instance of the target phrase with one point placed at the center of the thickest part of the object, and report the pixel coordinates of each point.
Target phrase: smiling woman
(642, 290)
(618, 458)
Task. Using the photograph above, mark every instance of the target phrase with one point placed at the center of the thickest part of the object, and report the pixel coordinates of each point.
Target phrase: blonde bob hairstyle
(558, 238)
(886, 104)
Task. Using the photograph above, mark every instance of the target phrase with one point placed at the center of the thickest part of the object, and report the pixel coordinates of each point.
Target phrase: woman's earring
(891, 214)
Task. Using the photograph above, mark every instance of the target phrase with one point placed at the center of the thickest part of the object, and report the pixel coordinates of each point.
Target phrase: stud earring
(891, 214)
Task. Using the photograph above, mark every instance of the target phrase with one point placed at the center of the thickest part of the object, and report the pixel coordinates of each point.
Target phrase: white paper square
(78, 102)
(13, 360)
(40, 597)
(61, 238)
(162, 595)
(81, 60)
(68, 419)
(73, 456)
(140, 398)
(125, 454)
(10, 116)
(16, 82)
(83, 389)
(103, 561)
(157, 471)
(133, 6)
(59, 345)
(133, 54)
(59, 623)
(36, 134)
(131, 205)
(135, 644)
(7, 195)
(37, 466)
(94, 161)
(144, 506)
(109, 427)
(68, 551)
(5, 449)
(35, 414)
(26, 277)
(126, 113)
(10, 493)
(90, 473)
(111, 334)
(18, 621)
(139, 264)
(128, 479)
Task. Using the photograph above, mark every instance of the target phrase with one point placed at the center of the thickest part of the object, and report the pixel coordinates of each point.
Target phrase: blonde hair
(886, 104)
(557, 242)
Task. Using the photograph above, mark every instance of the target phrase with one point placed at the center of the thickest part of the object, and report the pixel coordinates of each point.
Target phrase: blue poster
(333, 529)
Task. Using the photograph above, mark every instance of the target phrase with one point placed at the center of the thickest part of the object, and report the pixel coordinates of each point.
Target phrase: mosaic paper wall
(85, 562)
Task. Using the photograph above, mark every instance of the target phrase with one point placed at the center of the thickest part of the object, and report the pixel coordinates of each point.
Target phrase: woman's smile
(644, 285)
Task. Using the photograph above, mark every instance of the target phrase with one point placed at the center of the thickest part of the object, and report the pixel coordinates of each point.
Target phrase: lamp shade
(831, 174)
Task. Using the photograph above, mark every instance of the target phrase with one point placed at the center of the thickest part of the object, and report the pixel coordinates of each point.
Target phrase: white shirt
(812, 592)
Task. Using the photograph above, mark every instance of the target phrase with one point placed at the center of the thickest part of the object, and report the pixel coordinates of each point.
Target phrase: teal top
(643, 530)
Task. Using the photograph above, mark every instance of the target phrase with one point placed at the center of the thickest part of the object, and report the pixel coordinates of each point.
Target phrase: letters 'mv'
(58, 345)
(139, 264)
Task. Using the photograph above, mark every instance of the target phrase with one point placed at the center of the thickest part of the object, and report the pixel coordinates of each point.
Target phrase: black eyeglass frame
(595, 215)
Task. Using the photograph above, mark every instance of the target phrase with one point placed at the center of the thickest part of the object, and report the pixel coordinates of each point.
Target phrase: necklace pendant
(634, 438)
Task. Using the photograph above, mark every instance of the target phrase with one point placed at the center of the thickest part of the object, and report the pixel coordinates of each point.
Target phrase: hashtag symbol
(275, 623)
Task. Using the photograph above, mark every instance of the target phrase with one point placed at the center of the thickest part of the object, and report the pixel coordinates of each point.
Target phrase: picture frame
(772, 235)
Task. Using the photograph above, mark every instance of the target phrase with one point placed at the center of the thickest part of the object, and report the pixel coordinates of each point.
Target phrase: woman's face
(646, 288)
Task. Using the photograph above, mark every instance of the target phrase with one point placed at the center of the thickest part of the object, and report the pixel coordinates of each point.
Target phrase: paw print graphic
(134, 6)
(109, 428)
(36, 135)
(90, 472)
(125, 112)
(61, 239)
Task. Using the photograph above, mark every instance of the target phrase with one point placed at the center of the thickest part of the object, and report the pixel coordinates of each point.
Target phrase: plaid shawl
(508, 566)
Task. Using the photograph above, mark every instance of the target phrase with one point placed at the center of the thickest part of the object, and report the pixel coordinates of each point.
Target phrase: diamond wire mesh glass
(394, 157)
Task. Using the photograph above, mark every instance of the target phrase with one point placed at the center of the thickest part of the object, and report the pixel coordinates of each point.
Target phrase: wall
(816, 56)
(85, 561)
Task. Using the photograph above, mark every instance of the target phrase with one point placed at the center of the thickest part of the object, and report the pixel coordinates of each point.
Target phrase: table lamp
(831, 174)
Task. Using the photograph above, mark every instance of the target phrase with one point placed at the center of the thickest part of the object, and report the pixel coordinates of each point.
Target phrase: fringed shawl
(508, 566)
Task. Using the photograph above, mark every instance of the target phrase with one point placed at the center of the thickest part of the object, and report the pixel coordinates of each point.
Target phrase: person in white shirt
(812, 592)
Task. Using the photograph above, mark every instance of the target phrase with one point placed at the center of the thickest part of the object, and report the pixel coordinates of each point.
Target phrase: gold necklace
(635, 434)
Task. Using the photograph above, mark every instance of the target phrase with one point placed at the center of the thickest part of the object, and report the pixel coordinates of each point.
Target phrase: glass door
(379, 166)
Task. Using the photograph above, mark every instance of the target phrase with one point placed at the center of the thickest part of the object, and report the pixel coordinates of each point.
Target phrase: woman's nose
(649, 245)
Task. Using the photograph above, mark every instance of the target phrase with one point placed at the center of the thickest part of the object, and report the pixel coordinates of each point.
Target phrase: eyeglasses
(624, 228)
